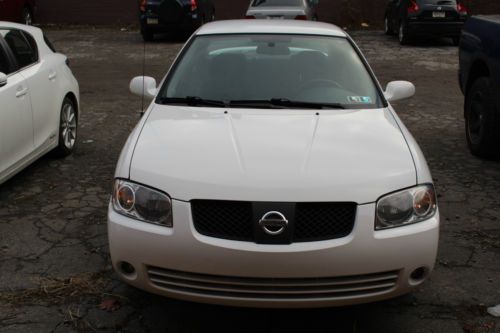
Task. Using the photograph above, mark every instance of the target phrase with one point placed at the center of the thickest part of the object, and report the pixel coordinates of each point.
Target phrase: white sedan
(272, 171)
(39, 99)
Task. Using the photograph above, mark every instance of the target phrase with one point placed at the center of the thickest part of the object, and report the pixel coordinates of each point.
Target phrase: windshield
(309, 69)
(268, 3)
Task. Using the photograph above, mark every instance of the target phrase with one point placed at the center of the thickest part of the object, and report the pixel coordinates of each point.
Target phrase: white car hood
(272, 155)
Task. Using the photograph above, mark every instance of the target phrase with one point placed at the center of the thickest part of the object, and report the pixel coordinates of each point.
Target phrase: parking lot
(55, 270)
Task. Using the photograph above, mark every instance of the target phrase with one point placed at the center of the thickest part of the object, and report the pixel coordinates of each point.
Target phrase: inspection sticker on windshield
(360, 99)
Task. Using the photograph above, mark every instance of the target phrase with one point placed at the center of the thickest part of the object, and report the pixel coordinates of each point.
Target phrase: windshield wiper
(273, 103)
(192, 101)
(283, 103)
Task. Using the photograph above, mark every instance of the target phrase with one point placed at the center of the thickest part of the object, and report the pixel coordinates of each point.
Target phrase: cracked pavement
(55, 271)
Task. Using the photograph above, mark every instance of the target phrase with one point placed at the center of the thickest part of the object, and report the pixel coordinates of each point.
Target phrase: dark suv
(160, 16)
(480, 83)
(440, 18)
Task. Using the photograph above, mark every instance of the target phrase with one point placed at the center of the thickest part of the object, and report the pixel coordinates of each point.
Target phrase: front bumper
(440, 29)
(365, 266)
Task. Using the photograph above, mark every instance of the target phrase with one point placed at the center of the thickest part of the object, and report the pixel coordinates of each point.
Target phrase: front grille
(223, 219)
(234, 220)
(321, 221)
(333, 288)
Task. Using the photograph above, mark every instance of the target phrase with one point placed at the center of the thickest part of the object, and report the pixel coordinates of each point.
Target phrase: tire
(403, 36)
(387, 28)
(481, 120)
(147, 35)
(456, 41)
(27, 16)
(68, 129)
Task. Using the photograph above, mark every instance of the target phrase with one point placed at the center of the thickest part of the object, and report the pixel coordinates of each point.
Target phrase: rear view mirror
(398, 90)
(3, 79)
(144, 86)
(273, 49)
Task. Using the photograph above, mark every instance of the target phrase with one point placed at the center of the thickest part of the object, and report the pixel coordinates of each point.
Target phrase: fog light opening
(127, 268)
(419, 274)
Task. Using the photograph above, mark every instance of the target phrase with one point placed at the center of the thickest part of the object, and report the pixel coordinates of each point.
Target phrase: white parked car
(272, 171)
(283, 9)
(39, 99)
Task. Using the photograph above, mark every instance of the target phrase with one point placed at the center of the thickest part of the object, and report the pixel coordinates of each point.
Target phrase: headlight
(406, 207)
(142, 203)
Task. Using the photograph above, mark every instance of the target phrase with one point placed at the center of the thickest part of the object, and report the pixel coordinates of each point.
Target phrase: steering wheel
(319, 83)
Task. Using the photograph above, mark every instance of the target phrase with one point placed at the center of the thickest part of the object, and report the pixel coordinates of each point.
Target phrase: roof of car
(11, 25)
(270, 27)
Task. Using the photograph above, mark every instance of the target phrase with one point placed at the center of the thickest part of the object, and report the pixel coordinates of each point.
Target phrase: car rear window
(437, 2)
(313, 69)
(267, 3)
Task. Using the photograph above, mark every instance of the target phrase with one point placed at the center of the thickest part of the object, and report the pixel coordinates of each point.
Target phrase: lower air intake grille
(279, 288)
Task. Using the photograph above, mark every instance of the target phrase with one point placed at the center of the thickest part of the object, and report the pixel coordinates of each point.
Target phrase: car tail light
(301, 17)
(194, 5)
(142, 5)
(462, 9)
(413, 8)
(249, 17)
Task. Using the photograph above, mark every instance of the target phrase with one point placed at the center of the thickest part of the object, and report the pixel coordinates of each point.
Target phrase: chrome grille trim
(262, 288)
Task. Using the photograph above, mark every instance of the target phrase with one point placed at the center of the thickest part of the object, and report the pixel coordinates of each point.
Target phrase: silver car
(283, 9)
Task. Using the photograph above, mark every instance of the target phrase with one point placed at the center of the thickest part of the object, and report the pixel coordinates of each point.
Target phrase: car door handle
(21, 91)
(52, 75)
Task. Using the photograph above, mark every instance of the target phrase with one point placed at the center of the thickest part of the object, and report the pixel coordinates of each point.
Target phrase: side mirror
(3, 79)
(398, 90)
(144, 86)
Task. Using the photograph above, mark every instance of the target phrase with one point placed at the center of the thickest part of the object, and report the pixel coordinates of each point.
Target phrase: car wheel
(480, 124)
(27, 16)
(147, 35)
(387, 27)
(403, 34)
(68, 129)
